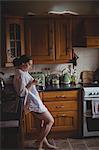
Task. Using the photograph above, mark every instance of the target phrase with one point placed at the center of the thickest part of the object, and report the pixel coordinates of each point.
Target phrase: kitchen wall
(88, 60)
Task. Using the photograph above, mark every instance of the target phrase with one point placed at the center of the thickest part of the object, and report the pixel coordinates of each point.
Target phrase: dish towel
(95, 109)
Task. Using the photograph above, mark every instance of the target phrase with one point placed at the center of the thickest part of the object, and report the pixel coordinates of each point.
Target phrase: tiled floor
(70, 144)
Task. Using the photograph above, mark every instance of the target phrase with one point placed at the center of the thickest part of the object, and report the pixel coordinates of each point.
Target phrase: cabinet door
(85, 31)
(65, 121)
(29, 123)
(92, 31)
(14, 38)
(63, 39)
(92, 26)
(78, 32)
(40, 39)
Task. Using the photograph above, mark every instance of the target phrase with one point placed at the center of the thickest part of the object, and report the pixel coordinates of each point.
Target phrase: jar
(55, 80)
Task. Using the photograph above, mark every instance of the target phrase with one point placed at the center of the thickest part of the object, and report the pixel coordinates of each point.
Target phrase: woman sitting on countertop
(25, 87)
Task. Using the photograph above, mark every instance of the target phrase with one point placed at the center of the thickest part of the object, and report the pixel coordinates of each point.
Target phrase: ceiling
(21, 8)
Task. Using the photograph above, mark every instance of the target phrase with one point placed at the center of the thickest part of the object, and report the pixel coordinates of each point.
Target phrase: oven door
(90, 124)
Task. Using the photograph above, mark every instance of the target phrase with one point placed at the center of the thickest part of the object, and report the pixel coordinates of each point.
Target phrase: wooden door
(63, 39)
(29, 123)
(14, 38)
(78, 32)
(92, 31)
(65, 121)
(85, 31)
(40, 41)
(92, 25)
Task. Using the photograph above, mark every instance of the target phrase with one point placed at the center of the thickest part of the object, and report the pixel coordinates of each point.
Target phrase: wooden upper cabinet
(85, 31)
(14, 37)
(63, 39)
(48, 39)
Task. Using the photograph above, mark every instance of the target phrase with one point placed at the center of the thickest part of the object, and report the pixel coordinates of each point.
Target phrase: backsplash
(36, 68)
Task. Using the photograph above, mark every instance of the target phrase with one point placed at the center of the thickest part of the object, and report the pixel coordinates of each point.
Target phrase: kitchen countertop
(61, 87)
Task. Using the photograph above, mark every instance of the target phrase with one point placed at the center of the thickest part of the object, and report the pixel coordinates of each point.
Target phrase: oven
(91, 111)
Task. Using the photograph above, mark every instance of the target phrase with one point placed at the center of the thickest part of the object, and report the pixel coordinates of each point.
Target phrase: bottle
(48, 78)
(74, 77)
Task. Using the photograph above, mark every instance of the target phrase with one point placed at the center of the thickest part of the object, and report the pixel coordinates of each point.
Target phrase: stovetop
(91, 91)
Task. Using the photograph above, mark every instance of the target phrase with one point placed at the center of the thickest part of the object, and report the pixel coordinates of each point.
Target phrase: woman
(25, 87)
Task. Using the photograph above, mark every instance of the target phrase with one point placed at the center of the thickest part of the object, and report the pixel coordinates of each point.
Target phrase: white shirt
(32, 101)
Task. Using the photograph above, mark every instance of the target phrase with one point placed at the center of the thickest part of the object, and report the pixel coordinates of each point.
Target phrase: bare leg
(48, 122)
(39, 125)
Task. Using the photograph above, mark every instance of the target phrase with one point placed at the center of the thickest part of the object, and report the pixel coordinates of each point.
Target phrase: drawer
(65, 121)
(61, 106)
(60, 95)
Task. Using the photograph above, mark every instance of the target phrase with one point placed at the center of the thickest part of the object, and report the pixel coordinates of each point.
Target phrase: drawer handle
(59, 106)
(61, 96)
(62, 115)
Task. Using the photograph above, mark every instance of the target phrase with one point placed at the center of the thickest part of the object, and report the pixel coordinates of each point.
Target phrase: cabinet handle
(51, 38)
(63, 115)
(59, 106)
(50, 50)
(62, 96)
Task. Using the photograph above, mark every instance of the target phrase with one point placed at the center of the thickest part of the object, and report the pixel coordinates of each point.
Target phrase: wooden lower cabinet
(64, 107)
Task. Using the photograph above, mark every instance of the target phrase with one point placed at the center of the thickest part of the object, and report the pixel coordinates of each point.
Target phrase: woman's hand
(31, 83)
(34, 82)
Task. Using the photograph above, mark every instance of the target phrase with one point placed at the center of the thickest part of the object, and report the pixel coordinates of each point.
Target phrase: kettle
(66, 78)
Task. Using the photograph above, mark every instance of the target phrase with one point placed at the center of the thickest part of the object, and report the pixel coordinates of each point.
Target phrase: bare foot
(51, 146)
(38, 145)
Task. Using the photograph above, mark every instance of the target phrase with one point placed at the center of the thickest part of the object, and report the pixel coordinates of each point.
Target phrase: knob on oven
(90, 93)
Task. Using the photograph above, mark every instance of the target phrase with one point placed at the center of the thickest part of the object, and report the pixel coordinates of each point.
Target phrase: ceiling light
(30, 14)
(62, 12)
